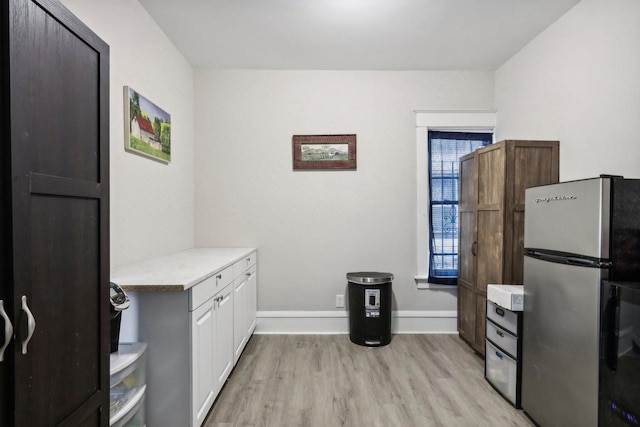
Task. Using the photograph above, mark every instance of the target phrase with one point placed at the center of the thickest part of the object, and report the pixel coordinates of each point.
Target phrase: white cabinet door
(223, 346)
(204, 381)
(239, 317)
(252, 300)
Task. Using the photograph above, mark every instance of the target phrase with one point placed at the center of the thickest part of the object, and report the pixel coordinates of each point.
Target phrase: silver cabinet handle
(8, 330)
(31, 324)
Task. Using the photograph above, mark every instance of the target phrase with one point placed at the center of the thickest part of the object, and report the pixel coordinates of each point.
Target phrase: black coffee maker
(119, 302)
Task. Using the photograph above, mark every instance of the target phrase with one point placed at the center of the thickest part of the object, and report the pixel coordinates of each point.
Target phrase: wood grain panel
(61, 83)
(65, 261)
(491, 170)
(466, 313)
(466, 259)
(490, 249)
(481, 323)
(533, 164)
(517, 249)
(467, 183)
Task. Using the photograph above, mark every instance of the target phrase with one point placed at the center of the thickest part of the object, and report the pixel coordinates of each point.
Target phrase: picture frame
(324, 152)
(147, 127)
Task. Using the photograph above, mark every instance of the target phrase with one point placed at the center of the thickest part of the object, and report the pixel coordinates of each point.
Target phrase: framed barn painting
(324, 152)
(147, 127)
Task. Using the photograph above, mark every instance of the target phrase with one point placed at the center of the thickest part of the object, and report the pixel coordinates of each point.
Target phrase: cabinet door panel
(466, 258)
(239, 316)
(490, 249)
(533, 166)
(467, 313)
(491, 171)
(481, 323)
(204, 383)
(223, 347)
(252, 301)
(467, 183)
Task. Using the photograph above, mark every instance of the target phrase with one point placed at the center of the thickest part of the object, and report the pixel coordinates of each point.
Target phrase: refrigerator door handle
(566, 258)
(610, 328)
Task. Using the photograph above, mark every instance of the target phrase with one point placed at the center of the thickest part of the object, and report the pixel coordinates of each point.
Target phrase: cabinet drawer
(501, 316)
(501, 371)
(208, 287)
(245, 263)
(502, 339)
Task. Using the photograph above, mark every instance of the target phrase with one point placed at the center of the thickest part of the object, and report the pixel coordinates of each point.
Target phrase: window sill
(423, 283)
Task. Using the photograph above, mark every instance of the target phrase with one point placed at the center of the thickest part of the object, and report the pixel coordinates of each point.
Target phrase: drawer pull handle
(219, 276)
(500, 334)
(499, 311)
(8, 330)
(499, 355)
(31, 324)
(248, 259)
(247, 274)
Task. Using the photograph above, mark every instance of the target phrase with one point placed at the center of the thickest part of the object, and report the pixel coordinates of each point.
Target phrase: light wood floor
(326, 381)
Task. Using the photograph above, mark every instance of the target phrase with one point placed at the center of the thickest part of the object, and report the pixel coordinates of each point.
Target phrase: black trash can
(119, 302)
(370, 308)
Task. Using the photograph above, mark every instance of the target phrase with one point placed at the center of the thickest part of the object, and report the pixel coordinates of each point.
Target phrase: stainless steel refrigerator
(576, 235)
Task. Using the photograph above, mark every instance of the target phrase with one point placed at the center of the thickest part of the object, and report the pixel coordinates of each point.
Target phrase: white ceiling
(353, 34)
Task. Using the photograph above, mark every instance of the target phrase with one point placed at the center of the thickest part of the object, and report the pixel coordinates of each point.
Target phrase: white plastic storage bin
(501, 371)
(127, 385)
(133, 414)
(502, 317)
(503, 339)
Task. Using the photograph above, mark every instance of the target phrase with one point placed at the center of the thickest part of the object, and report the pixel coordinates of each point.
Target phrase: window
(467, 121)
(444, 152)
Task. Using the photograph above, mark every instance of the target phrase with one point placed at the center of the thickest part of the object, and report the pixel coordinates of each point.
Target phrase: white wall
(311, 228)
(579, 82)
(152, 204)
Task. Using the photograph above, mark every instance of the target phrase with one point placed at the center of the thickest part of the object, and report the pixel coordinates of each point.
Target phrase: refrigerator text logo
(554, 199)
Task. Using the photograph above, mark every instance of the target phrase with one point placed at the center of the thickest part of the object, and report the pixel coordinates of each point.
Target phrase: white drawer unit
(127, 385)
(503, 347)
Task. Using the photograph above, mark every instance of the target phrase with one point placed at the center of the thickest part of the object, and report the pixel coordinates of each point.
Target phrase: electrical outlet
(339, 301)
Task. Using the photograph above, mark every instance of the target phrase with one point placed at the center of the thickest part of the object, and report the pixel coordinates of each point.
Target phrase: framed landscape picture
(324, 152)
(147, 127)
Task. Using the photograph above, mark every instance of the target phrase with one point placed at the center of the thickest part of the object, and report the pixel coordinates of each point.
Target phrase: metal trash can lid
(369, 277)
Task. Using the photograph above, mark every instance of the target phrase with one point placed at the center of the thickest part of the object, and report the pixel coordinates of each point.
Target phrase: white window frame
(452, 121)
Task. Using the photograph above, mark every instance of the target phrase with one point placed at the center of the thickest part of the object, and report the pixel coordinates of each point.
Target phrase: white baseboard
(337, 322)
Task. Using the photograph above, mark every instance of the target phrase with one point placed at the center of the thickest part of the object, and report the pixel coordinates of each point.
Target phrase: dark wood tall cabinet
(491, 222)
(54, 218)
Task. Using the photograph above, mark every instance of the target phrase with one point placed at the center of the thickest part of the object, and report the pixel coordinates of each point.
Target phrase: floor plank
(326, 381)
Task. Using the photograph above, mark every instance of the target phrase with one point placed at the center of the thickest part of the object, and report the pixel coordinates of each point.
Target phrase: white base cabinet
(193, 335)
(212, 357)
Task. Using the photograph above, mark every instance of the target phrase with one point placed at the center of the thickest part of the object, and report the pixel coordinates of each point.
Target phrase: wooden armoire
(491, 222)
(54, 218)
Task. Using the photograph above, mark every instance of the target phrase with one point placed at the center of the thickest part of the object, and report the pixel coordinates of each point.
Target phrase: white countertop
(178, 271)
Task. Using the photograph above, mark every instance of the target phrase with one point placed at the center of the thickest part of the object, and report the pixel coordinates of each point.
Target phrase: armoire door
(56, 176)
(466, 248)
(490, 164)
